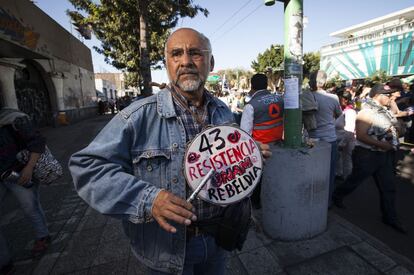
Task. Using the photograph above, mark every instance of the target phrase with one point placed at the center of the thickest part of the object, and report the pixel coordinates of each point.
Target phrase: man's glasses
(195, 54)
(387, 95)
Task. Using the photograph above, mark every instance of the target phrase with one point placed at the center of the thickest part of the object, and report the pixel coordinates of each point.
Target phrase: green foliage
(132, 79)
(336, 81)
(237, 78)
(116, 24)
(270, 60)
(311, 63)
(378, 77)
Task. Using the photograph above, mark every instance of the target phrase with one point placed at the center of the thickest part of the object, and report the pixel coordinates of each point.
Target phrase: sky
(241, 29)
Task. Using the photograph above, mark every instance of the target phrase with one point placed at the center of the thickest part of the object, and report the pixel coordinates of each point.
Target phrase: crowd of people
(365, 125)
(114, 105)
(132, 170)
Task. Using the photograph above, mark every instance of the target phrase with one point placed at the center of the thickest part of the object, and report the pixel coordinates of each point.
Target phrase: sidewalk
(86, 242)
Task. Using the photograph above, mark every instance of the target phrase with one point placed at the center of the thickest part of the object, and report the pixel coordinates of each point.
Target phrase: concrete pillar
(7, 88)
(295, 190)
(58, 83)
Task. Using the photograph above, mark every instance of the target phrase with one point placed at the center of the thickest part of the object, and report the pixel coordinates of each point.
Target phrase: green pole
(293, 58)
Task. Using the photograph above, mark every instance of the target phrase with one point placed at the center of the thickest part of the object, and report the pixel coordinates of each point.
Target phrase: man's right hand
(167, 206)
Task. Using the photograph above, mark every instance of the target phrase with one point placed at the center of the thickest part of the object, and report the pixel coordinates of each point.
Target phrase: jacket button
(175, 145)
(149, 168)
(174, 180)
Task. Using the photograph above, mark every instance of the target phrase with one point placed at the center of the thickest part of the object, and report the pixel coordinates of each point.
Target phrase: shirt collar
(165, 102)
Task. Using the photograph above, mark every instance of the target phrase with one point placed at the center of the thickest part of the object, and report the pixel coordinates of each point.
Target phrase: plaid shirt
(204, 210)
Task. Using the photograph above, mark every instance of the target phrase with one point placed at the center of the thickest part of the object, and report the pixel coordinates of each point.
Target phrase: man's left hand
(265, 150)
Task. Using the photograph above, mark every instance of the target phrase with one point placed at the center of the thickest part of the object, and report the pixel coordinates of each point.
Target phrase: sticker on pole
(235, 161)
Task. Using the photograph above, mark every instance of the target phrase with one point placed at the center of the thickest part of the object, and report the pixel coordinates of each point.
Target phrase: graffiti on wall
(32, 95)
(11, 27)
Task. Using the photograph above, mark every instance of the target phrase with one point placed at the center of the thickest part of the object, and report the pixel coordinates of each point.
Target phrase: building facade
(118, 79)
(44, 70)
(384, 43)
(106, 88)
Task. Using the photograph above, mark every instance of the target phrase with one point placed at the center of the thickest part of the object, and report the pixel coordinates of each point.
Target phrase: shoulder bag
(47, 168)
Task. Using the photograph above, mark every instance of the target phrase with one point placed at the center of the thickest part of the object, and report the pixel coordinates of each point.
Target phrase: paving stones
(259, 261)
(86, 242)
(375, 257)
(342, 261)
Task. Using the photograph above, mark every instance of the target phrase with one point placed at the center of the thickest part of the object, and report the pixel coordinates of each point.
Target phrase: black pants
(368, 163)
(255, 198)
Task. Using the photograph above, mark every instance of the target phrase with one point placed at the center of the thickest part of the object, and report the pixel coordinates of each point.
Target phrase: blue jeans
(202, 257)
(29, 201)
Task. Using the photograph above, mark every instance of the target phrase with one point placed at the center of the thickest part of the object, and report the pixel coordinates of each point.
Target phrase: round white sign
(233, 156)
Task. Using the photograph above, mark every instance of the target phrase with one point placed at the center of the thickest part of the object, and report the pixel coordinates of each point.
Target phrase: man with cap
(376, 140)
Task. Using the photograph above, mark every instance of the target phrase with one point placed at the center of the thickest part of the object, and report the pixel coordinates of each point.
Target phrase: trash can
(62, 119)
(295, 190)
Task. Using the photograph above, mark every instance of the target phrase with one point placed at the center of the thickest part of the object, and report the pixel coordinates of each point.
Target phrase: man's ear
(212, 63)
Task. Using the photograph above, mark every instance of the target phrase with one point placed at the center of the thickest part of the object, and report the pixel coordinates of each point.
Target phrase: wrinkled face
(188, 60)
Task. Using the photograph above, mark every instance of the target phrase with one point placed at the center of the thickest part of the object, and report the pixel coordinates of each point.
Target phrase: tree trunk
(145, 68)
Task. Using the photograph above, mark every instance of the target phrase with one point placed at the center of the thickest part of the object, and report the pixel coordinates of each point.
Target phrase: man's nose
(186, 58)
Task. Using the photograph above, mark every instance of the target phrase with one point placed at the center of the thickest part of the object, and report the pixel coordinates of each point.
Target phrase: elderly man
(133, 168)
(376, 137)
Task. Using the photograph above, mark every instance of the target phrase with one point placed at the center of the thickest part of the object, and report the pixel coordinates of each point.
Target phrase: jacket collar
(165, 104)
(259, 92)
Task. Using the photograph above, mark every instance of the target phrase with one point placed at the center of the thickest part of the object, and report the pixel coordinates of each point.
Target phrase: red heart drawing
(193, 157)
(234, 137)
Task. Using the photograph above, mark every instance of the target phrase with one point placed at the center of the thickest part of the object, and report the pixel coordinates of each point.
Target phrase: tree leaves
(116, 24)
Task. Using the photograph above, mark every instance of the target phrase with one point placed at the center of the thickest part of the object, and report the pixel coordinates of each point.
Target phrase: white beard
(189, 85)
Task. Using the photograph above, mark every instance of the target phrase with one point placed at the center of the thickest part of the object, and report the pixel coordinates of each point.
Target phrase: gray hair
(317, 80)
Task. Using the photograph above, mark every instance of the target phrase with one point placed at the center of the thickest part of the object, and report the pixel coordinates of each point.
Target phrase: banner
(235, 158)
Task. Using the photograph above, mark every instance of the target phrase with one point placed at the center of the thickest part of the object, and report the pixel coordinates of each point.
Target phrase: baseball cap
(380, 89)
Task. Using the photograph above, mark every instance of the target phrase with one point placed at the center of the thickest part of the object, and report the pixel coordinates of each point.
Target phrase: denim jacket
(138, 153)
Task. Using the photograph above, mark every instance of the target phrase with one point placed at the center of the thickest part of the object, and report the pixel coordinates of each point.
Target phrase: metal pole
(293, 59)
